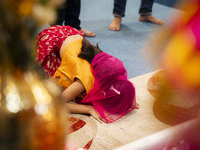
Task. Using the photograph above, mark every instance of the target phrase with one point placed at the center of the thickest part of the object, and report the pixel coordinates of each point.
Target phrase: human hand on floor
(96, 115)
(137, 106)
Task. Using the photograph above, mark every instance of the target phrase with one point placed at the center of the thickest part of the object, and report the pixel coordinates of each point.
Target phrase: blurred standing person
(68, 14)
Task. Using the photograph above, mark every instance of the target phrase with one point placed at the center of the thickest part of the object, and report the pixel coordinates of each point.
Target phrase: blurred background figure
(68, 14)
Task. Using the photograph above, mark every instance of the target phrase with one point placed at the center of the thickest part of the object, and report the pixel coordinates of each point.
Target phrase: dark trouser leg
(60, 16)
(72, 13)
(119, 8)
(146, 7)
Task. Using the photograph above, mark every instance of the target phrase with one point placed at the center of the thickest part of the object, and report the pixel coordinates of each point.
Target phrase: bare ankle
(150, 18)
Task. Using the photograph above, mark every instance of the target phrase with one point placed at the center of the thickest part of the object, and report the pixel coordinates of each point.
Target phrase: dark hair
(89, 51)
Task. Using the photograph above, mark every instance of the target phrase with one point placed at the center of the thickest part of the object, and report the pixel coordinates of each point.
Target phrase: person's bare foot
(88, 33)
(150, 18)
(115, 24)
(137, 106)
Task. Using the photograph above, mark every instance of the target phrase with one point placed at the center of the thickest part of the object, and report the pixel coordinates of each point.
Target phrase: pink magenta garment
(113, 95)
(49, 42)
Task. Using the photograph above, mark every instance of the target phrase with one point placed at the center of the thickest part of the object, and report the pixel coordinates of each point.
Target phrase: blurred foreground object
(177, 45)
(32, 113)
(181, 57)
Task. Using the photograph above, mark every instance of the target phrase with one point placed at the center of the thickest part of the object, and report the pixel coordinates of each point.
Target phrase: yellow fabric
(74, 67)
(181, 60)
